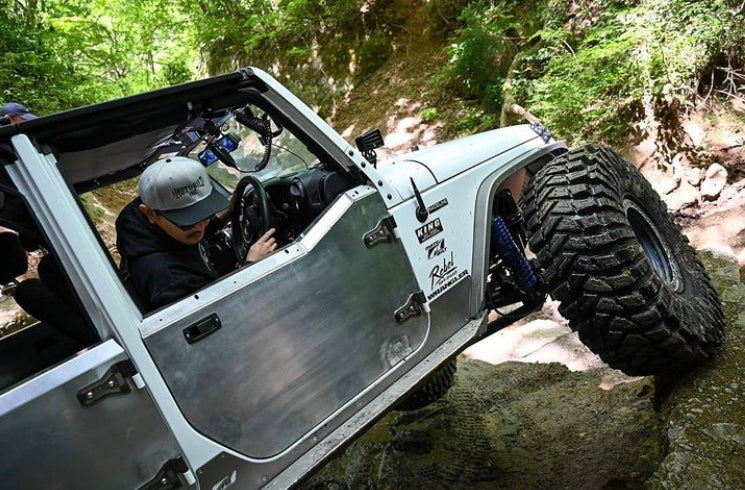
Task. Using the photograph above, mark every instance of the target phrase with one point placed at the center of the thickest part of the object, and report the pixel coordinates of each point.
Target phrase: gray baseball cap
(16, 109)
(180, 189)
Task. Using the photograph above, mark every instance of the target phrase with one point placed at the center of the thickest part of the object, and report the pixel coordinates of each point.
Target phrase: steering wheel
(249, 220)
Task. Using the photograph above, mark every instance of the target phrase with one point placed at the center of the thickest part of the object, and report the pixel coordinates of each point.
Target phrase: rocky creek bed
(530, 425)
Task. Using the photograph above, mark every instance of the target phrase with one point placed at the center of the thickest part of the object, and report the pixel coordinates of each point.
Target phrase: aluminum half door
(298, 344)
(52, 440)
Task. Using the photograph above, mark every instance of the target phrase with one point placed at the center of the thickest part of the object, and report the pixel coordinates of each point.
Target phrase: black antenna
(421, 211)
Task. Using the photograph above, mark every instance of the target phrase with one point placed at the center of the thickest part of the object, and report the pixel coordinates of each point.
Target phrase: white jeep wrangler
(382, 276)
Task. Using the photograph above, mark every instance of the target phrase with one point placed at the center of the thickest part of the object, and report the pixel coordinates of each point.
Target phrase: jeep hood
(441, 162)
(449, 159)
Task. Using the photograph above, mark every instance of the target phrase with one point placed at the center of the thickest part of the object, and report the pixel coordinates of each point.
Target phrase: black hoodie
(159, 269)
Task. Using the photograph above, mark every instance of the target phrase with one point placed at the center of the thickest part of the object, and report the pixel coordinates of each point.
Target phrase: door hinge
(414, 306)
(382, 233)
(168, 476)
(113, 382)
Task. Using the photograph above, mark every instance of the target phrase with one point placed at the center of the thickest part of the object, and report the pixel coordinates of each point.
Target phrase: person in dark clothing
(160, 234)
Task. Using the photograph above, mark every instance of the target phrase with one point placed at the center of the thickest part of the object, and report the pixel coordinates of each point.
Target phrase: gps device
(229, 142)
(207, 157)
(220, 150)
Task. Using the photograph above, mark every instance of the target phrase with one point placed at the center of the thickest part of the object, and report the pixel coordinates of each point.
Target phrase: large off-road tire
(432, 389)
(626, 277)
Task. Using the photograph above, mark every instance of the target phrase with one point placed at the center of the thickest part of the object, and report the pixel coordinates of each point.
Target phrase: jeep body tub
(302, 351)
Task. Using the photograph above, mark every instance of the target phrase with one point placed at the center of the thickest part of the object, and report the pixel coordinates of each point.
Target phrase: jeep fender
(525, 166)
(457, 182)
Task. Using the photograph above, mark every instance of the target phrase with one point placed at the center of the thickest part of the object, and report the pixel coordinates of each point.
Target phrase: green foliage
(481, 49)
(585, 92)
(474, 120)
(373, 53)
(634, 63)
(590, 69)
(444, 14)
(428, 115)
(32, 72)
(473, 61)
(60, 54)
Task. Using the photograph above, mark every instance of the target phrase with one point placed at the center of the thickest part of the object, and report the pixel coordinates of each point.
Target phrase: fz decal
(436, 249)
(429, 230)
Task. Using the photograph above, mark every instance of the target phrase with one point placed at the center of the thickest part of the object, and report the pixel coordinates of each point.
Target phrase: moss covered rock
(705, 410)
(511, 426)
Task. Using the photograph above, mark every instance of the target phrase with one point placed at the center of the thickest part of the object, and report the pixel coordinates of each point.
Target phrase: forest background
(590, 69)
(661, 80)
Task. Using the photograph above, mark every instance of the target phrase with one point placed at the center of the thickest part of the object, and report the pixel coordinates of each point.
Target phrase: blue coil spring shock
(513, 257)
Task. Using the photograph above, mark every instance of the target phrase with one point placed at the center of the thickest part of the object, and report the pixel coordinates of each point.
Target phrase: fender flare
(533, 161)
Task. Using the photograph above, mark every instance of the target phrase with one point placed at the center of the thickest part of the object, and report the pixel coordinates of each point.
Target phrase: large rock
(705, 428)
(714, 182)
(511, 426)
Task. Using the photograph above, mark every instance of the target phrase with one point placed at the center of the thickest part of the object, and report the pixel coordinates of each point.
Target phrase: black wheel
(432, 389)
(626, 277)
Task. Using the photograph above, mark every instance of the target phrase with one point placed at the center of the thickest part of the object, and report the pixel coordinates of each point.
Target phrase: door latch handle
(202, 328)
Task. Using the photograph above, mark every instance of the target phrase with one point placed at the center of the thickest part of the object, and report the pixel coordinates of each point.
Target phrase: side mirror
(368, 142)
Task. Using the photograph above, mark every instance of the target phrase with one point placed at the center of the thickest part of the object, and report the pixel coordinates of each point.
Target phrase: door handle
(202, 328)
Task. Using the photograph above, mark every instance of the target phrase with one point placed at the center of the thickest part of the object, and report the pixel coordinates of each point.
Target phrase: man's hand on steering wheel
(262, 247)
(249, 220)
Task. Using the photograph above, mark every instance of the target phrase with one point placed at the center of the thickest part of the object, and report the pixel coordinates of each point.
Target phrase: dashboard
(295, 201)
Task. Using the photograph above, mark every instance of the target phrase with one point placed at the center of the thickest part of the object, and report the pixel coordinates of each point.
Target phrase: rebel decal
(442, 272)
(436, 249)
(438, 205)
(429, 230)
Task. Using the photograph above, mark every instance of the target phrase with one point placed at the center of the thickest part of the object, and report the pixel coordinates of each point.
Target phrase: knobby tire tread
(432, 389)
(594, 265)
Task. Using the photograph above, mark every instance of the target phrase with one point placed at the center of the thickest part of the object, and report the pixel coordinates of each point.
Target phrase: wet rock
(695, 132)
(705, 421)
(511, 426)
(683, 197)
(720, 228)
(714, 182)
(643, 152)
(674, 177)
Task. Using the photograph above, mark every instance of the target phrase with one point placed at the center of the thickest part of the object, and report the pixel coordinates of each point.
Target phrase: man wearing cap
(16, 113)
(160, 233)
